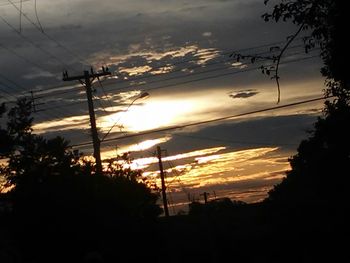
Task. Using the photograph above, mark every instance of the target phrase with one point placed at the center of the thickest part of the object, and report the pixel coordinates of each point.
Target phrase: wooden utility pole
(165, 201)
(86, 81)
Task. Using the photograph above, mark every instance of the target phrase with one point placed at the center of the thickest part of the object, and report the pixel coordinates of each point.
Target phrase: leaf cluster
(324, 22)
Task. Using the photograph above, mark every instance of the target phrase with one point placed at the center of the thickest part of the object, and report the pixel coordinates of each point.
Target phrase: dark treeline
(59, 210)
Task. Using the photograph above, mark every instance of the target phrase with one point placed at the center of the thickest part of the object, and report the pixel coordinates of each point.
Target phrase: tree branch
(276, 77)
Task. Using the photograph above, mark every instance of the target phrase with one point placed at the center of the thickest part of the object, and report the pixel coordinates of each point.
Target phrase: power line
(209, 121)
(205, 78)
(189, 75)
(34, 44)
(47, 89)
(20, 16)
(37, 66)
(184, 82)
(5, 4)
(191, 81)
(17, 97)
(98, 99)
(66, 92)
(176, 84)
(104, 93)
(231, 141)
(47, 92)
(178, 177)
(23, 58)
(20, 88)
(187, 68)
(17, 86)
(37, 16)
(223, 53)
(7, 93)
(143, 95)
(224, 74)
(40, 29)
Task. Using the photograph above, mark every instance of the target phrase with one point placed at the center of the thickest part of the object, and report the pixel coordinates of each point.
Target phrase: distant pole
(32, 99)
(165, 202)
(86, 81)
(34, 104)
(205, 195)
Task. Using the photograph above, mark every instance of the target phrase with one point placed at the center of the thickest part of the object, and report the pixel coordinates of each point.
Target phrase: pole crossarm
(92, 75)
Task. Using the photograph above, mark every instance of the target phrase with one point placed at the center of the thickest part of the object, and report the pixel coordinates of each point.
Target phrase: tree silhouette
(324, 21)
(5, 139)
(48, 177)
(320, 168)
(319, 173)
(59, 209)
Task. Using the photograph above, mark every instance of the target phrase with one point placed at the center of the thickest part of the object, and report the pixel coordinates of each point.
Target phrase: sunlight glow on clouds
(170, 110)
(138, 147)
(37, 74)
(63, 124)
(205, 55)
(155, 55)
(239, 65)
(201, 56)
(135, 71)
(206, 34)
(149, 116)
(162, 70)
(224, 168)
(194, 153)
(141, 163)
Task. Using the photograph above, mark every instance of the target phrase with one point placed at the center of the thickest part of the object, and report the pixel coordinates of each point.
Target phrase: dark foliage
(215, 206)
(59, 209)
(48, 177)
(83, 197)
(5, 139)
(325, 21)
(320, 169)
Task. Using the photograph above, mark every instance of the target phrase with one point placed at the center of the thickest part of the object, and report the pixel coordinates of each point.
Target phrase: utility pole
(165, 202)
(86, 81)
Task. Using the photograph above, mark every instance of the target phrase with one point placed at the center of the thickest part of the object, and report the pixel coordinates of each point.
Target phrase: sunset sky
(179, 52)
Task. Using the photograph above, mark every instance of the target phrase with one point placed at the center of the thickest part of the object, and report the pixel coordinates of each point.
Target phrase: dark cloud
(192, 9)
(281, 131)
(111, 27)
(243, 94)
(71, 27)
